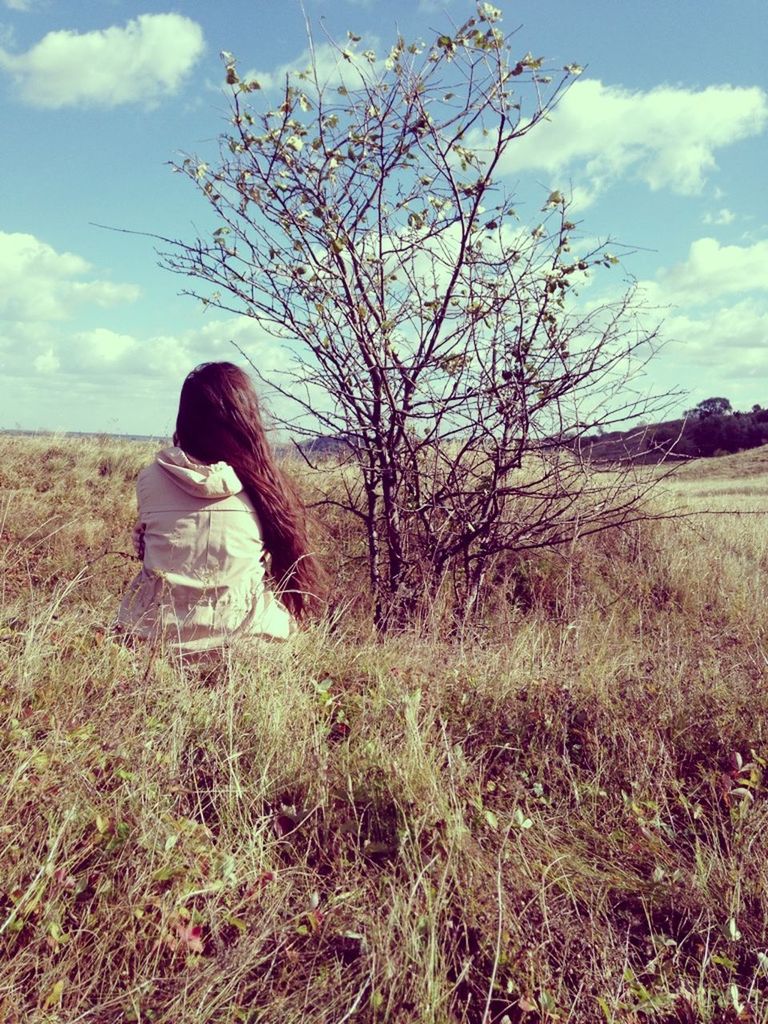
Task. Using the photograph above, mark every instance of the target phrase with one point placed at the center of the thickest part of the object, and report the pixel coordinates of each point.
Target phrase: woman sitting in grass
(217, 521)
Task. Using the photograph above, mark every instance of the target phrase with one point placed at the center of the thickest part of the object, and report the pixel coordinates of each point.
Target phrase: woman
(218, 522)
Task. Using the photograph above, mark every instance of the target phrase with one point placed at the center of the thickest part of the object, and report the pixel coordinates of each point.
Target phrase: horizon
(279, 438)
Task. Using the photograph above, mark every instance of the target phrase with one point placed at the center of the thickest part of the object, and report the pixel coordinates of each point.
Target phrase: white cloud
(103, 353)
(666, 137)
(712, 271)
(41, 284)
(47, 361)
(101, 348)
(102, 379)
(331, 64)
(716, 315)
(714, 312)
(720, 217)
(140, 62)
(714, 337)
(18, 5)
(727, 344)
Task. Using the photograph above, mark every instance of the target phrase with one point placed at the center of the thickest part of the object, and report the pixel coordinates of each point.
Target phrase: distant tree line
(711, 428)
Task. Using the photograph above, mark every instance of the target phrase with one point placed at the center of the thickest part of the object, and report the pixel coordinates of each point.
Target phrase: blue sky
(663, 140)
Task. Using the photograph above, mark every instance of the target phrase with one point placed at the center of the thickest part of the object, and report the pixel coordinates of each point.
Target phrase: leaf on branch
(530, 62)
(489, 40)
(395, 54)
(447, 44)
(487, 12)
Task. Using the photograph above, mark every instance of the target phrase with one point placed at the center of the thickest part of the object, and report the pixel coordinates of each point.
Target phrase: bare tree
(363, 220)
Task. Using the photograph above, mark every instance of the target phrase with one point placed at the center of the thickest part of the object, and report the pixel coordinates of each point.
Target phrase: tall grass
(559, 816)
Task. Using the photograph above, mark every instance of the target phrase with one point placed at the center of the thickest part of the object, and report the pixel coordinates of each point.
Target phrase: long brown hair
(219, 421)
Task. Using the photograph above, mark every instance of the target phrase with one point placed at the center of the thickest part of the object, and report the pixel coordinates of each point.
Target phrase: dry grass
(753, 462)
(559, 818)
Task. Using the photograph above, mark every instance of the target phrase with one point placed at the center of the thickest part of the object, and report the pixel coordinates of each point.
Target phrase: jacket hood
(216, 481)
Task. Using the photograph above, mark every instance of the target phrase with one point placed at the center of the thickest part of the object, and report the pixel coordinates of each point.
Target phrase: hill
(739, 466)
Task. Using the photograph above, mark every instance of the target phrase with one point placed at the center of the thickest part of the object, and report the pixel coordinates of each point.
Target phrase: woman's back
(203, 578)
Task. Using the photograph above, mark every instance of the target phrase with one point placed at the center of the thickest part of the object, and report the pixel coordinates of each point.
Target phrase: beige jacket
(202, 582)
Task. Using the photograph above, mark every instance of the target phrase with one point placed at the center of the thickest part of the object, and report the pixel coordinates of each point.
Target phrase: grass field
(559, 816)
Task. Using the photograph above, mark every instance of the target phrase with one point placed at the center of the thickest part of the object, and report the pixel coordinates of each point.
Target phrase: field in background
(558, 817)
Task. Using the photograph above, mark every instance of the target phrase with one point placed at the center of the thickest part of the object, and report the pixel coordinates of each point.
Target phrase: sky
(662, 141)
